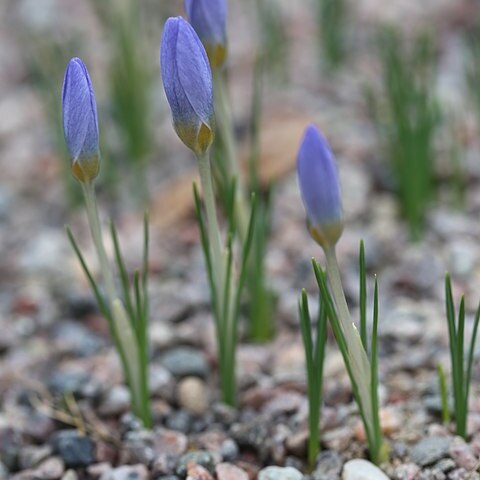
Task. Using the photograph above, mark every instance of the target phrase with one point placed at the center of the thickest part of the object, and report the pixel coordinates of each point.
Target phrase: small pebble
(31, 455)
(406, 471)
(115, 402)
(328, 467)
(186, 361)
(96, 470)
(197, 472)
(170, 442)
(198, 457)
(229, 450)
(70, 475)
(463, 455)
(76, 450)
(179, 420)
(193, 395)
(359, 469)
(429, 450)
(279, 473)
(3, 472)
(50, 469)
(227, 471)
(127, 472)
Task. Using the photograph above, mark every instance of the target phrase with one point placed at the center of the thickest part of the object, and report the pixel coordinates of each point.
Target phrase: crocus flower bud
(187, 80)
(80, 124)
(320, 188)
(208, 18)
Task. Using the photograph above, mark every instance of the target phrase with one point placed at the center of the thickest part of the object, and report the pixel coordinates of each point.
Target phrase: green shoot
(331, 15)
(461, 369)
(314, 360)
(126, 314)
(361, 367)
(408, 126)
(442, 385)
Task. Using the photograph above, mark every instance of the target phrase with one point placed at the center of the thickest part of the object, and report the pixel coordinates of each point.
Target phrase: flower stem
(222, 275)
(358, 359)
(123, 331)
(225, 125)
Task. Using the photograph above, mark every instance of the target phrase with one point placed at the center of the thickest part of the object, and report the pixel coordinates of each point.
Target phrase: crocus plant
(320, 191)
(127, 313)
(187, 81)
(209, 18)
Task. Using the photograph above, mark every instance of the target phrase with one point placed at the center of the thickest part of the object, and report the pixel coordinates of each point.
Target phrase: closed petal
(80, 121)
(318, 179)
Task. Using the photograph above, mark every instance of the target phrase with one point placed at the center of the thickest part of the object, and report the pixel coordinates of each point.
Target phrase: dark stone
(76, 450)
(180, 420)
(73, 382)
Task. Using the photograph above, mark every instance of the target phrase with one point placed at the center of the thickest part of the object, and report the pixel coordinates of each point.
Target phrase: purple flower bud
(208, 18)
(80, 124)
(320, 188)
(187, 80)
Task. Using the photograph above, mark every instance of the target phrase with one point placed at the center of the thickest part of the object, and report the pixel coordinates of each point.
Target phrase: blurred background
(394, 86)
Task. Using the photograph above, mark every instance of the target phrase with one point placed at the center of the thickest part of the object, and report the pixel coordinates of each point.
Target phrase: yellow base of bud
(86, 169)
(328, 235)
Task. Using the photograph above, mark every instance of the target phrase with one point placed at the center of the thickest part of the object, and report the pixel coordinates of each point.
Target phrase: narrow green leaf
(442, 383)
(96, 291)
(206, 251)
(123, 273)
(374, 371)
(363, 297)
(471, 353)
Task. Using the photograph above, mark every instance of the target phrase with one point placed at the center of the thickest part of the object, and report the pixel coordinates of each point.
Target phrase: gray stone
(180, 420)
(429, 450)
(3, 472)
(115, 401)
(127, 472)
(68, 382)
(359, 469)
(76, 450)
(229, 450)
(328, 467)
(253, 434)
(279, 473)
(31, 455)
(186, 361)
(445, 465)
(77, 339)
(50, 469)
(199, 457)
(139, 446)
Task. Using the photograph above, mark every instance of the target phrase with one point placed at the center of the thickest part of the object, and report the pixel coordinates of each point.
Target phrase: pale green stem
(95, 228)
(123, 328)
(225, 125)
(220, 271)
(359, 362)
(212, 222)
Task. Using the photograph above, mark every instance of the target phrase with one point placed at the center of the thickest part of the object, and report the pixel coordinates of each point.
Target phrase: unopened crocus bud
(320, 188)
(187, 80)
(208, 18)
(80, 124)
